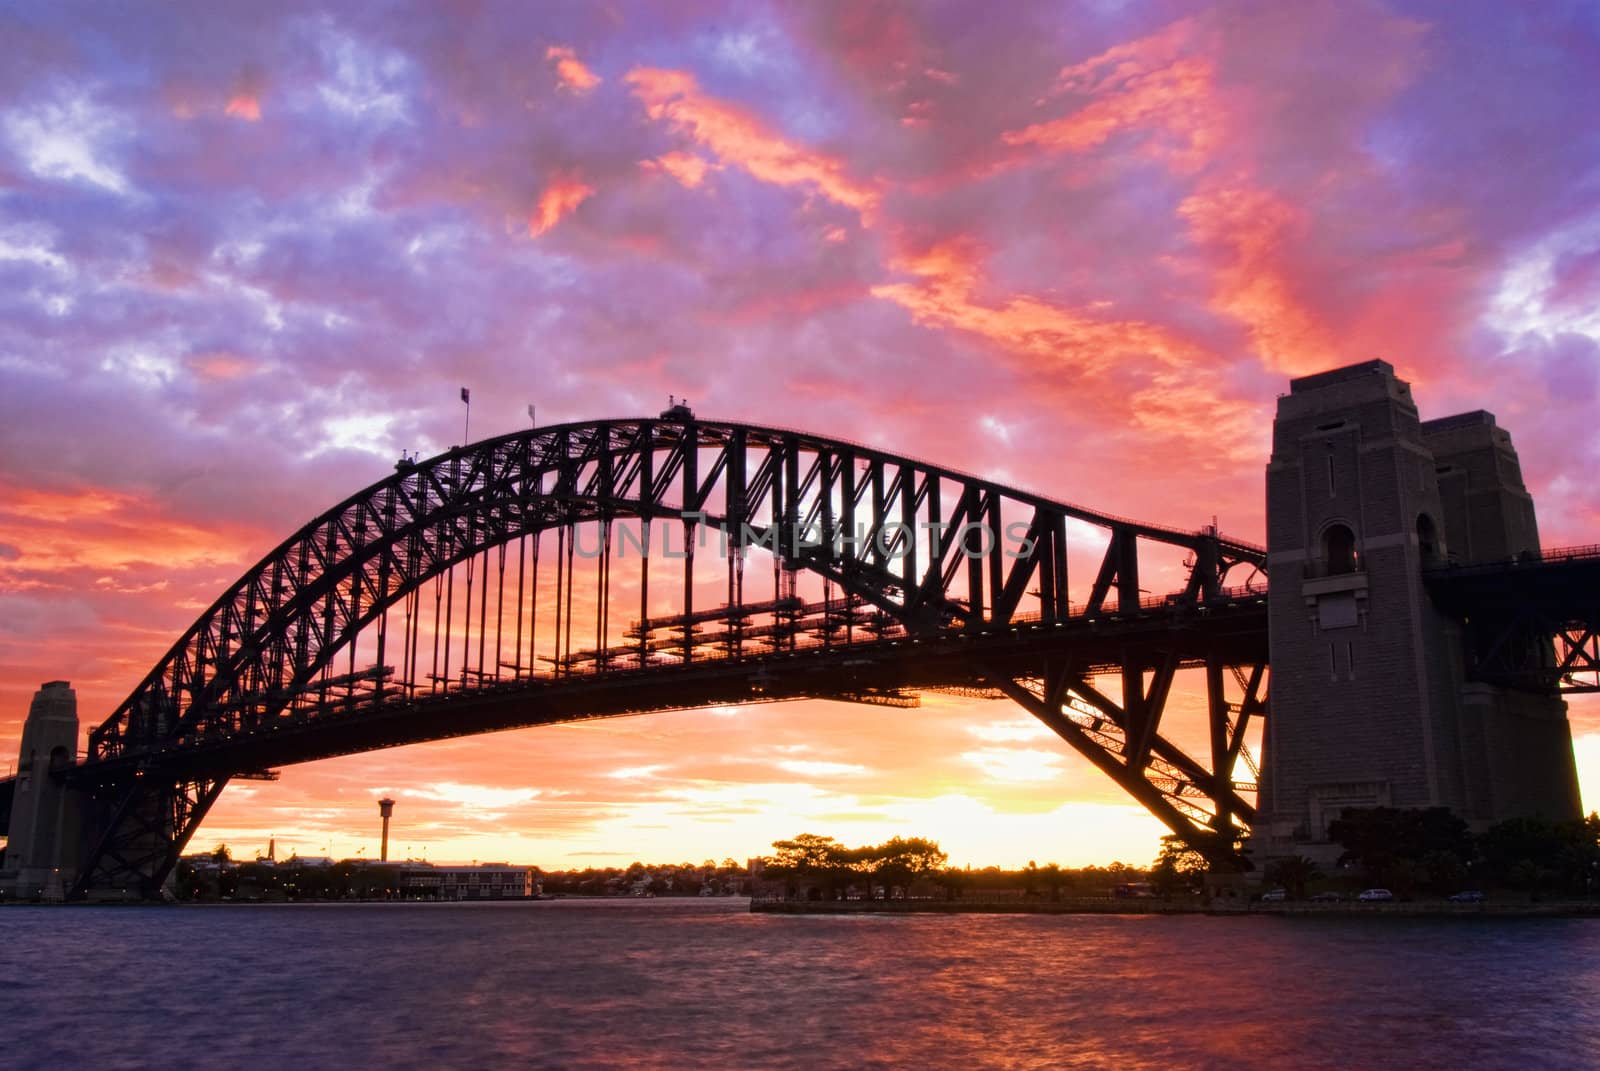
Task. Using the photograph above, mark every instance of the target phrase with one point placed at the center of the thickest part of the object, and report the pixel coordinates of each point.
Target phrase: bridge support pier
(69, 838)
(136, 830)
(43, 847)
(1371, 701)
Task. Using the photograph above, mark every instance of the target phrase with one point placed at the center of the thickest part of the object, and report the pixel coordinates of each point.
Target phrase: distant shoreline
(1415, 909)
(546, 898)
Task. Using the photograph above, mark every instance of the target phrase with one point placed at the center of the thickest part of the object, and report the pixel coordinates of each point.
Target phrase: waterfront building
(480, 881)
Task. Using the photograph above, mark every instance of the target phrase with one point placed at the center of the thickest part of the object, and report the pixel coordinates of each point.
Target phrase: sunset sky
(249, 255)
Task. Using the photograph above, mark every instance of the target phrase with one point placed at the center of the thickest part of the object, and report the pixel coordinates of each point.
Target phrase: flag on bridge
(466, 395)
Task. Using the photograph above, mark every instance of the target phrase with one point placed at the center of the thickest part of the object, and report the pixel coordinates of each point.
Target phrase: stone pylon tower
(42, 847)
(1369, 702)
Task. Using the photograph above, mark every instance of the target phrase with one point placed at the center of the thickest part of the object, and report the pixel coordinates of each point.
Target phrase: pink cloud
(220, 366)
(242, 106)
(686, 167)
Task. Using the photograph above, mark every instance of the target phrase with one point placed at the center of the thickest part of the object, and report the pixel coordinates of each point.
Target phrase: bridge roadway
(887, 671)
(890, 670)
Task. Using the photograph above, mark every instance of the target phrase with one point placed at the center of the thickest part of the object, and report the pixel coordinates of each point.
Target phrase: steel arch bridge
(618, 567)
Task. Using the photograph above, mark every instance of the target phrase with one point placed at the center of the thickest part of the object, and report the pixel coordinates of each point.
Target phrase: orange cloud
(1163, 87)
(1148, 86)
(1249, 230)
(99, 529)
(60, 507)
(1162, 381)
(1171, 102)
(743, 140)
(573, 74)
(942, 296)
(1128, 63)
(1184, 403)
(559, 200)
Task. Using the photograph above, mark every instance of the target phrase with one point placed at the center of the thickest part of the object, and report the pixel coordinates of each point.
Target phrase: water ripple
(664, 983)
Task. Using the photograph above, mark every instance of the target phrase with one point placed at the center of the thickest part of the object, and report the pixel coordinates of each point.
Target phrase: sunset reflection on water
(702, 983)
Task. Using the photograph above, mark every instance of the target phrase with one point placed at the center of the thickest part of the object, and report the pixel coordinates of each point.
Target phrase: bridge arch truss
(615, 567)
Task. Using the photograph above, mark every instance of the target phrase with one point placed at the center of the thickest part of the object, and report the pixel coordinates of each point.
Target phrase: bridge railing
(1542, 556)
(1564, 554)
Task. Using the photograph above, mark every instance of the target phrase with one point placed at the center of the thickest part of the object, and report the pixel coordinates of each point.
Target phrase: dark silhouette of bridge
(620, 567)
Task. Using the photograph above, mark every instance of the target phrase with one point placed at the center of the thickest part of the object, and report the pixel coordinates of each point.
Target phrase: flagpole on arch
(466, 425)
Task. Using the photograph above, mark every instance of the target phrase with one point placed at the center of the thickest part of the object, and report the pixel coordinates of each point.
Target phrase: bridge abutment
(1370, 701)
(44, 835)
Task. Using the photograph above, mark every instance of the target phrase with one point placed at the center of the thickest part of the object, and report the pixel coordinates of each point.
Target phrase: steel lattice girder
(1201, 804)
(277, 626)
(913, 559)
(1527, 623)
(143, 823)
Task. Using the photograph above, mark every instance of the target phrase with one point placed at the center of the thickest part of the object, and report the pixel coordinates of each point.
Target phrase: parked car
(1467, 896)
(1328, 898)
(1274, 896)
(1375, 895)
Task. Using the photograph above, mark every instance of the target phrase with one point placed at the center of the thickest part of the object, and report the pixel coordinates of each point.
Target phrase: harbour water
(705, 984)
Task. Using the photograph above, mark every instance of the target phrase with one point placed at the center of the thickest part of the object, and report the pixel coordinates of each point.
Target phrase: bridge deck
(864, 671)
(1531, 622)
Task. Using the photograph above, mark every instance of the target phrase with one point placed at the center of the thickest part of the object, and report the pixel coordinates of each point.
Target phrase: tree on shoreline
(1538, 855)
(1405, 849)
(810, 859)
(1179, 868)
(1433, 849)
(1293, 873)
(901, 860)
(824, 863)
